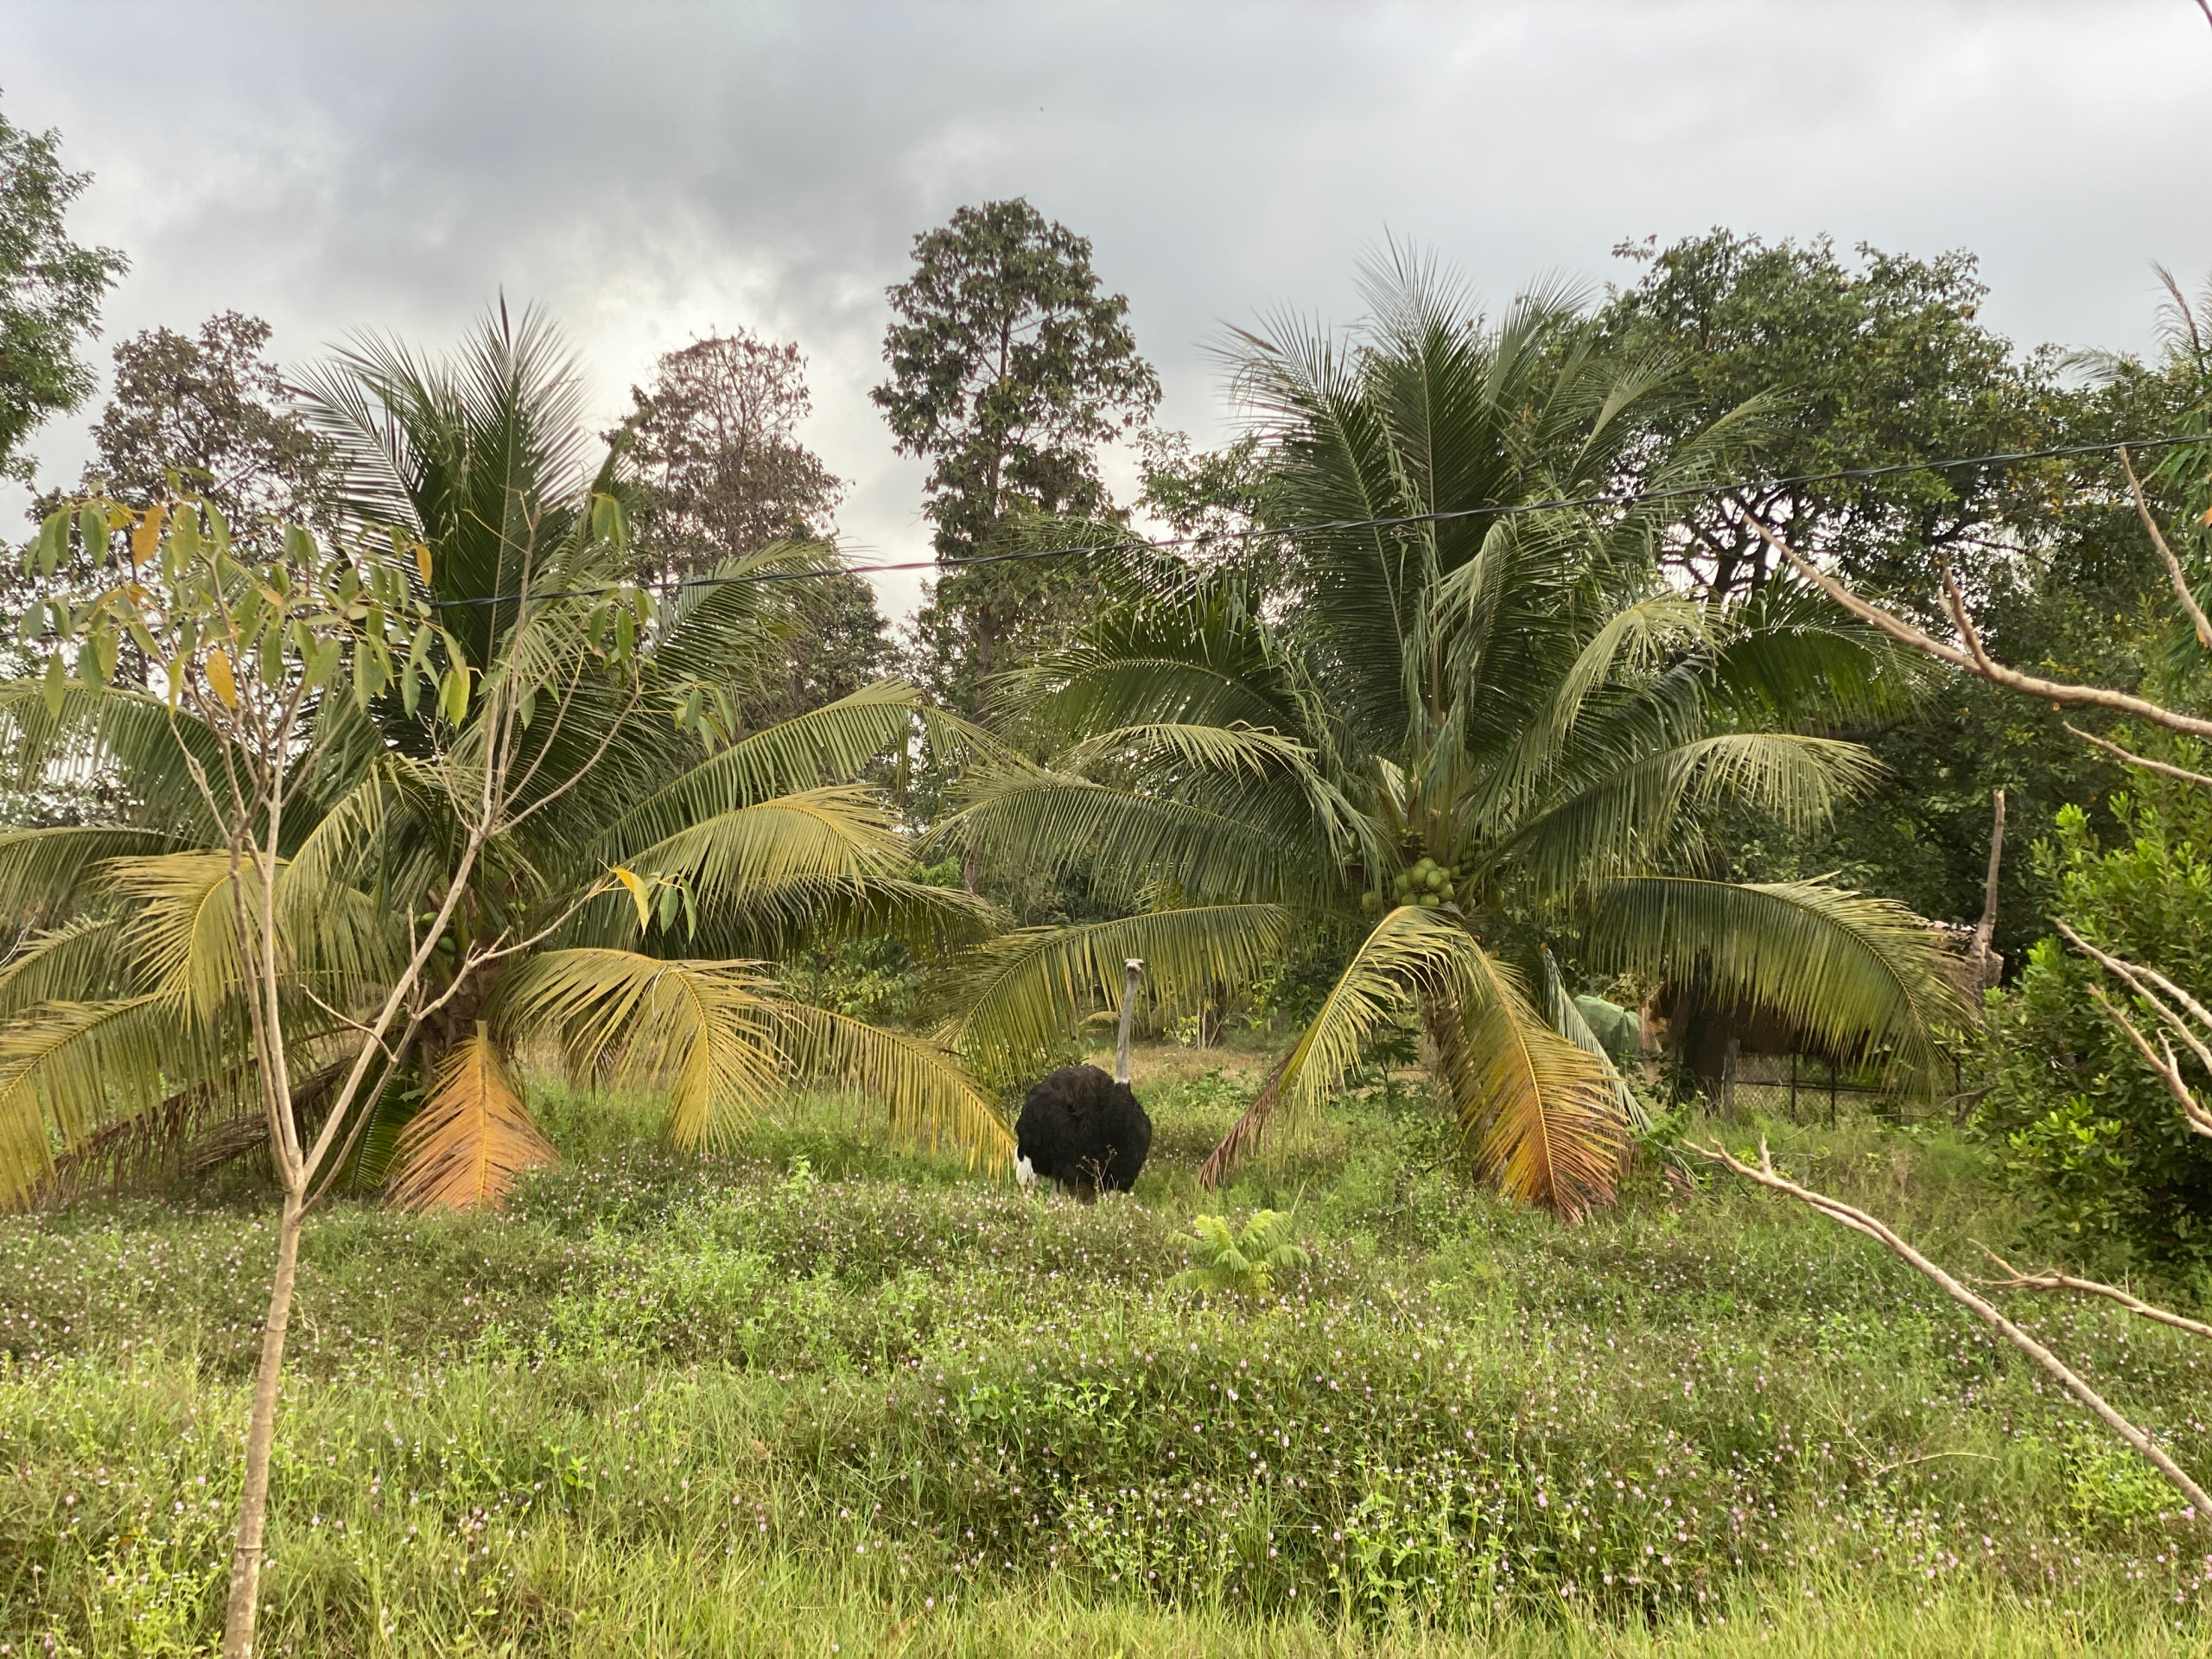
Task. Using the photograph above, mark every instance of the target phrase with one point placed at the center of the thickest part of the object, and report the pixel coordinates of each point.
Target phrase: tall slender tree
(50, 290)
(1009, 366)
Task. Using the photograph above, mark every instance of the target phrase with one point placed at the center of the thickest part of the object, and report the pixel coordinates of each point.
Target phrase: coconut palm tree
(1456, 738)
(654, 855)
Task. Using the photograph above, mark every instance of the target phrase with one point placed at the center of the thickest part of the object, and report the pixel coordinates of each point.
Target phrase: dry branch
(2051, 1278)
(1765, 1174)
(1973, 659)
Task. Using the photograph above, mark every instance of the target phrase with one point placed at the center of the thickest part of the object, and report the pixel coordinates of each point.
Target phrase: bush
(2083, 1123)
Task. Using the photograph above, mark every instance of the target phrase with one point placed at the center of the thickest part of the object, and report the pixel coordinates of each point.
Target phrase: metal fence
(1808, 1089)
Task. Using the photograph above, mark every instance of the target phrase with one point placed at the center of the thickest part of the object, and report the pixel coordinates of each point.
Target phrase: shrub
(2083, 1123)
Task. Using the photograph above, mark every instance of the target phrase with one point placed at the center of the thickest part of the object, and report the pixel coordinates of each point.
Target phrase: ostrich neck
(1121, 1042)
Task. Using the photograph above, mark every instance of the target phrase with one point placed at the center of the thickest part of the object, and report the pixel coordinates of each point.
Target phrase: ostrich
(1081, 1129)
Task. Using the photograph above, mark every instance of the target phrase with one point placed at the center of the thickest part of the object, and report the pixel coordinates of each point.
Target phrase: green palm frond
(1030, 820)
(777, 917)
(1021, 996)
(118, 730)
(830, 834)
(183, 929)
(1630, 813)
(928, 1098)
(80, 961)
(707, 1033)
(47, 873)
(69, 1070)
(1851, 973)
(834, 742)
(1410, 954)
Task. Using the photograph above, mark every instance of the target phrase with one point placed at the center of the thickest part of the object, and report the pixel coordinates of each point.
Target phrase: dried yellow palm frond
(473, 1136)
(1542, 1116)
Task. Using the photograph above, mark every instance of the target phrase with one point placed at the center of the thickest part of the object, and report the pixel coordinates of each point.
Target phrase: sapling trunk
(261, 1437)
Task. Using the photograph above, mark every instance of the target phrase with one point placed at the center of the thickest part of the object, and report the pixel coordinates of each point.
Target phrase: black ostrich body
(1083, 1131)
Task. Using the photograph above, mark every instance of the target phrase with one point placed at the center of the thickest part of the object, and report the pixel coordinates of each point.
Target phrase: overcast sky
(652, 172)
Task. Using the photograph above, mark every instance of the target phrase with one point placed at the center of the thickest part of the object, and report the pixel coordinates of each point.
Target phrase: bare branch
(2128, 757)
(2203, 624)
(2051, 1278)
(2160, 1060)
(2055, 692)
(2200, 1503)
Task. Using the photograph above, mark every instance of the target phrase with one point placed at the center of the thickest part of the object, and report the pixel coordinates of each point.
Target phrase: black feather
(1082, 1129)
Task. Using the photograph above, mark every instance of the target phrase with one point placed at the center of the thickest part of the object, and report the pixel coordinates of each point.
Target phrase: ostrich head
(1135, 967)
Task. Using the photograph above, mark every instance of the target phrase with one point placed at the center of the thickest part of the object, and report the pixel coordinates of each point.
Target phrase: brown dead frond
(473, 1137)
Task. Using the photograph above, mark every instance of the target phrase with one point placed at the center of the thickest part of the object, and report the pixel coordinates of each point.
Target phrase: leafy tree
(1450, 740)
(719, 469)
(1008, 368)
(212, 414)
(2066, 584)
(2085, 1126)
(50, 290)
(1856, 366)
(536, 849)
(244, 648)
(718, 472)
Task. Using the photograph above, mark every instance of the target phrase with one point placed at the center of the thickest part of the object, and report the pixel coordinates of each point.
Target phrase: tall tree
(718, 472)
(719, 467)
(50, 290)
(1856, 364)
(210, 412)
(1010, 367)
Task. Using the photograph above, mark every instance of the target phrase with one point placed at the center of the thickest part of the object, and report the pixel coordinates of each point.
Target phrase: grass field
(814, 1397)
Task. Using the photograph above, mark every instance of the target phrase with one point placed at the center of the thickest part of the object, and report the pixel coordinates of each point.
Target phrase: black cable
(1506, 510)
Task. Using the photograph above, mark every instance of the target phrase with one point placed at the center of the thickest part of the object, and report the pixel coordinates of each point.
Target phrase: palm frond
(70, 1070)
(1129, 842)
(80, 961)
(928, 1098)
(1568, 1019)
(1540, 1115)
(47, 873)
(473, 1137)
(707, 1033)
(1851, 974)
(1023, 995)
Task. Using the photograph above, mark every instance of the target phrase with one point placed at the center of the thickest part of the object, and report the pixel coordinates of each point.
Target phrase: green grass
(815, 1396)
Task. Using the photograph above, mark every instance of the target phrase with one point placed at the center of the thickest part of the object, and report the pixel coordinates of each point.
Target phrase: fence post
(1793, 1085)
(1728, 1079)
(1831, 1091)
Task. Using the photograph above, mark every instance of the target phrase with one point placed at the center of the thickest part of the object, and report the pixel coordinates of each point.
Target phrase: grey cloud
(653, 171)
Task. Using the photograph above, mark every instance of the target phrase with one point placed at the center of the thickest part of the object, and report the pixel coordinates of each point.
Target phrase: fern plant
(1246, 1260)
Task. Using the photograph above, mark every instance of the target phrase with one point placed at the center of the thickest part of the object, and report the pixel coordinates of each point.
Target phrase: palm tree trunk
(260, 1437)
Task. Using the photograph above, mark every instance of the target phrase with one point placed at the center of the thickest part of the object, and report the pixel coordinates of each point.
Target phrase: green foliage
(781, 1390)
(50, 290)
(1856, 363)
(2086, 1126)
(1243, 1261)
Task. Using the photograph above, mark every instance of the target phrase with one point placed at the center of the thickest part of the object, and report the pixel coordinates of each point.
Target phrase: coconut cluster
(1424, 882)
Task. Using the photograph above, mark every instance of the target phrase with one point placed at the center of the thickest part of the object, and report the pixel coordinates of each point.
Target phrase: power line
(1510, 510)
